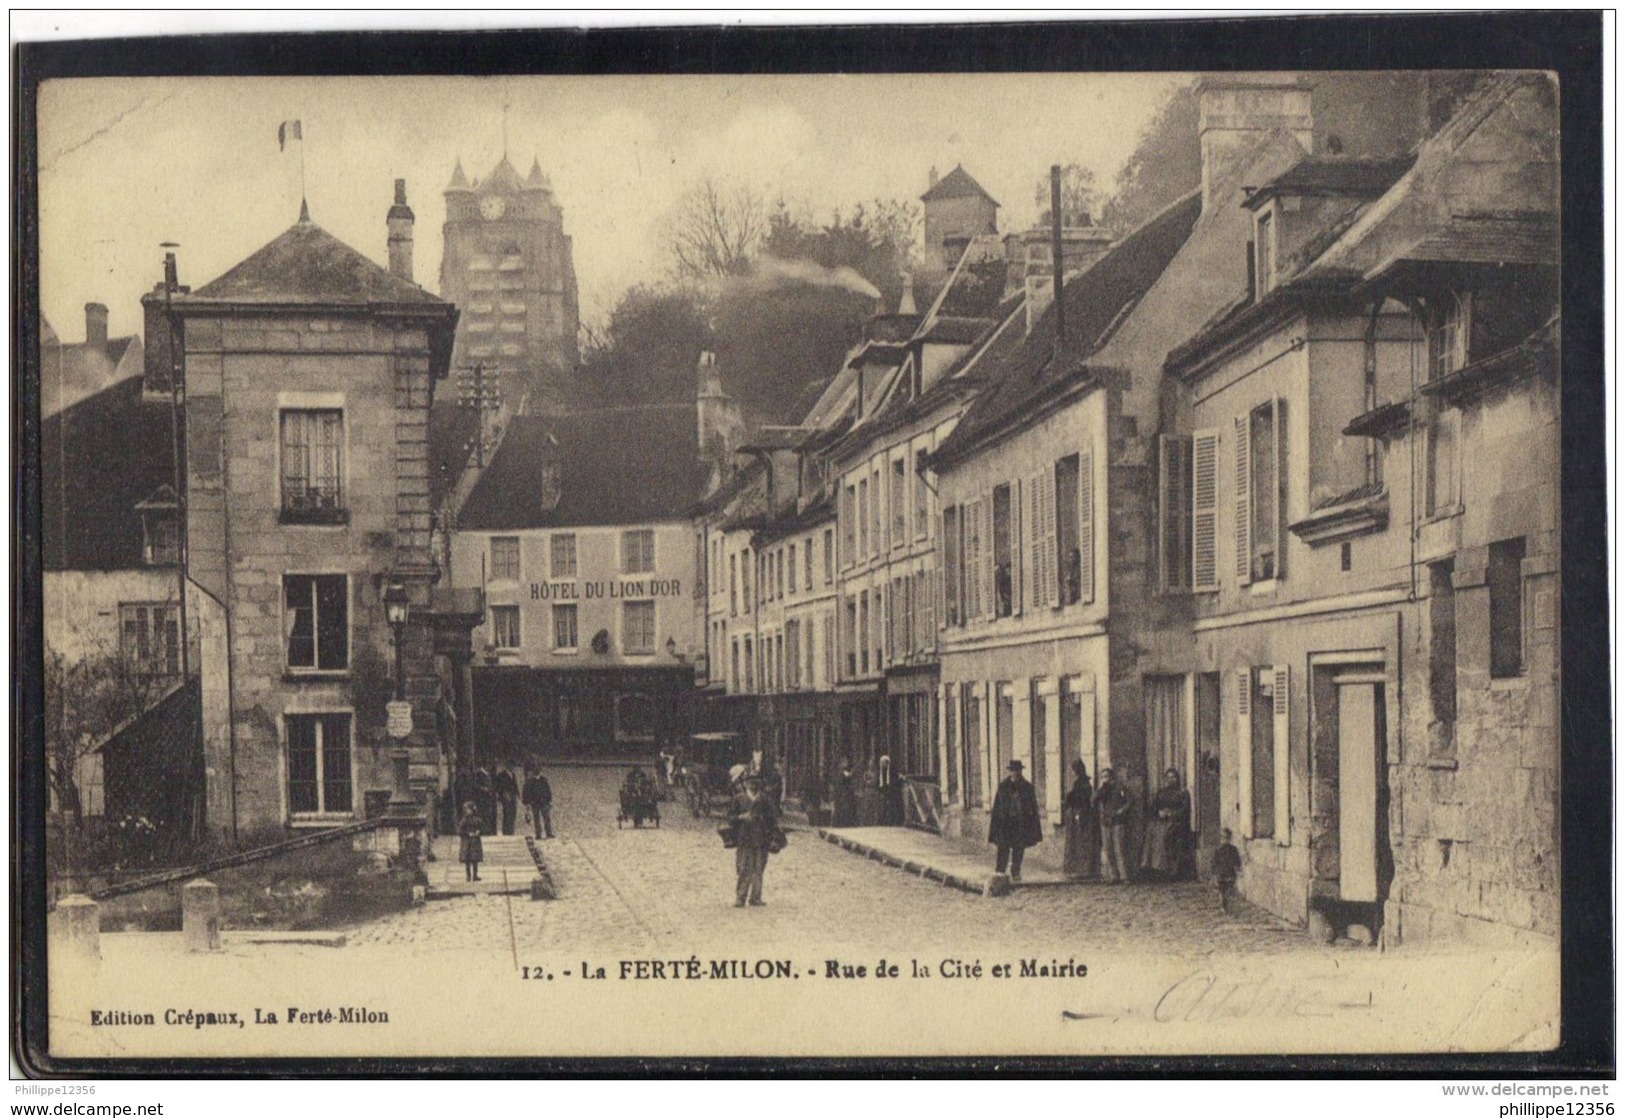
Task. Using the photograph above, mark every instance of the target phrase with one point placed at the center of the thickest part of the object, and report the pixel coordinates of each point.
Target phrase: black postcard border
(1569, 44)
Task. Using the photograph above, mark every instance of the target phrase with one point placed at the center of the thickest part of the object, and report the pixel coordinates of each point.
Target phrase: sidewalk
(937, 859)
(509, 867)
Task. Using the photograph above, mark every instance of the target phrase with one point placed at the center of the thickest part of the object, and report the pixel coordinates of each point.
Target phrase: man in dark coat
(538, 797)
(755, 819)
(1015, 824)
(506, 788)
(1112, 805)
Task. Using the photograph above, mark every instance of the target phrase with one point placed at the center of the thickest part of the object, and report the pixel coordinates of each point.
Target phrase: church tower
(508, 266)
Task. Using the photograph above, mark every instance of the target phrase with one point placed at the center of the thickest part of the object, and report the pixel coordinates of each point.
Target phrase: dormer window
(160, 528)
(1448, 331)
(1264, 247)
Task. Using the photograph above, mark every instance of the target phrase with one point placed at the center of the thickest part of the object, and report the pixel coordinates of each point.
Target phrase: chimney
(1081, 246)
(96, 324)
(717, 416)
(931, 178)
(1235, 112)
(400, 221)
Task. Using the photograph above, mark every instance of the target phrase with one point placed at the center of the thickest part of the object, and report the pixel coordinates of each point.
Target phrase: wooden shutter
(1016, 521)
(1244, 748)
(1283, 756)
(1244, 502)
(1086, 526)
(1052, 566)
(1279, 418)
(1166, 468)
(973, 560)
(1205, 510)
(1035, 539)
(989, 598)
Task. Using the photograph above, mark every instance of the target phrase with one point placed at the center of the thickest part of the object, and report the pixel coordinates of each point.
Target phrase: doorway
(1207, 761)
(1351, 852)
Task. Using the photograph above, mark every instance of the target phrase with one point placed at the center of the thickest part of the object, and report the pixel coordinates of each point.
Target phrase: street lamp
(396, 608)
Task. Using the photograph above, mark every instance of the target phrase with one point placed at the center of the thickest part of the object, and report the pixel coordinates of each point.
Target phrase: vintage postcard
(1049, 564)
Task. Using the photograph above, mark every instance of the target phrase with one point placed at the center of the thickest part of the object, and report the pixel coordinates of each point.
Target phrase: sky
(126, 164)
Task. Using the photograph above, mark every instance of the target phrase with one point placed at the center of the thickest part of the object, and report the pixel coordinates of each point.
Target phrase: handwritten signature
(1201, 997)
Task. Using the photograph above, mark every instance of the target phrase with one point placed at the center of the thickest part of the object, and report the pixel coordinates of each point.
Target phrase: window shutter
(1035, 538)
(1165, 512)
(986, 574)
(1016, 586)
(1244, 748)
(1244, 502)
(973, 561)
(889, 624)
(1279, 416)
(1086, 526)
(1283, 756)
(1205, 510)
(1052, 566)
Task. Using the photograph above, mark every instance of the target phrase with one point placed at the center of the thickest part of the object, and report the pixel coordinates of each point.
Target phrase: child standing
(472, 851)
(1226, 868)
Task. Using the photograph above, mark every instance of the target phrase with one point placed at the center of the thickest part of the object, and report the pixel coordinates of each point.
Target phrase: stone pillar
(73, 959)
(200, 915)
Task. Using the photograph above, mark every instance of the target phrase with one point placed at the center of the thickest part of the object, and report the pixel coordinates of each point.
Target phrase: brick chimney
(1236, 112)
(96, 324)
(718, 416)
(1081, 246)
(400, 221)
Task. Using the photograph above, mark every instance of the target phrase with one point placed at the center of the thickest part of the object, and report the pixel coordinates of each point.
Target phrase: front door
(1358, 723)
(1348, 838)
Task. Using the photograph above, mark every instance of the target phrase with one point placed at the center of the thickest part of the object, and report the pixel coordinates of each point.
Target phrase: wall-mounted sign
(400, 718)
(607, 588)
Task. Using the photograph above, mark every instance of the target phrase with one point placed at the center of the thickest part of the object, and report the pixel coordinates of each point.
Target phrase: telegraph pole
(479, 389)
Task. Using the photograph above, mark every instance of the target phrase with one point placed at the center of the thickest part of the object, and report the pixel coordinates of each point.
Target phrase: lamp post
(397, 607)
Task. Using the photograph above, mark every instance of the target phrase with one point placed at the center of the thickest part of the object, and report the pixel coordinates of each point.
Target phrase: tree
(89, 702)
(1080, 200)
(647, 350)
(785, 323)
(715, 228)
(1165, 165)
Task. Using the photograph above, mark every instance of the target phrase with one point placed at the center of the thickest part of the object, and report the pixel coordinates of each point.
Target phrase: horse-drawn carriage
(640, 800)
(708, 771)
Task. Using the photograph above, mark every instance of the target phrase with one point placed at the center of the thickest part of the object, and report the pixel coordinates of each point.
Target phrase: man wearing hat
(1015, 824)
(756, 826)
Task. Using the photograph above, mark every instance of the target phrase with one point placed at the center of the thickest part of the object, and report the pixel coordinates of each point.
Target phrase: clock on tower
(507, 266)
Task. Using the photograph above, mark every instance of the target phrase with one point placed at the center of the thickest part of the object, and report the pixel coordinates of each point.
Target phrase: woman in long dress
(869, 797)
(845, 798)
(1168, 831)
(1082, 857)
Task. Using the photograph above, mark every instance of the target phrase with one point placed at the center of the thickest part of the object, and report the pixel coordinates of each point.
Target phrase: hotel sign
(610, 588)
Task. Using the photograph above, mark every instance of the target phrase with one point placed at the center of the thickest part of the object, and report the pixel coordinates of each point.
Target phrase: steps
(508, 868)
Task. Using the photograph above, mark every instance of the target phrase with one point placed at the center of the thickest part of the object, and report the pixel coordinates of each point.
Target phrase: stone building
(1370, 433)
(509, 267)
(1043, 575)
(579, 534)
(72, 371)
(111, 556)
(309, 371)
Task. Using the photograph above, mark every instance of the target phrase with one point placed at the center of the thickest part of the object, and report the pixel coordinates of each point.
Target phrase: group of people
(494, 809)
(874, 799)
(1096, 823)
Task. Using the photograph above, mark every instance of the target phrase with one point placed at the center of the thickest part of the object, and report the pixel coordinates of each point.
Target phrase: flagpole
(304, 197)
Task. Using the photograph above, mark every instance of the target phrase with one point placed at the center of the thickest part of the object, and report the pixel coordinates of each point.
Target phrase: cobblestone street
(630, 892)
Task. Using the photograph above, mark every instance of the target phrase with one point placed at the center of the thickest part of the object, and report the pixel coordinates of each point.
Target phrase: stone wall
(253, 367)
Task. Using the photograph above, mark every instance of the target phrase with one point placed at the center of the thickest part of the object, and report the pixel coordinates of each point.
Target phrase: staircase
(508, 867)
